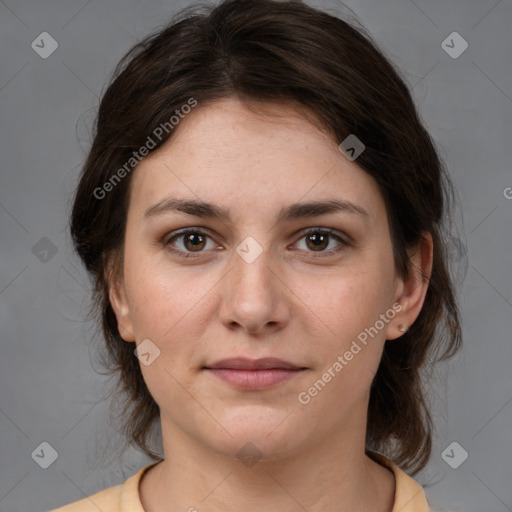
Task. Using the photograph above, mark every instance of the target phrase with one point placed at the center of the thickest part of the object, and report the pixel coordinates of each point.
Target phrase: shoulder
(108, 499)
(120, 498)
(409, 494)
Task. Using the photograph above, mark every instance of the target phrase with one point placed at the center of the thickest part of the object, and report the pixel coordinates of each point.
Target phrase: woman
(261, 210)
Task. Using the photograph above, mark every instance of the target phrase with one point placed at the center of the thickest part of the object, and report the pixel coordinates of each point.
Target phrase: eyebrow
(294, 211)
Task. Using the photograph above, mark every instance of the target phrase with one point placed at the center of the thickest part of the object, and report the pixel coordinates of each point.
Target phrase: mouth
(254, 374)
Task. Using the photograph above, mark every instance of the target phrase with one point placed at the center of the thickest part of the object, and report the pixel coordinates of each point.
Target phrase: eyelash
(323, 231)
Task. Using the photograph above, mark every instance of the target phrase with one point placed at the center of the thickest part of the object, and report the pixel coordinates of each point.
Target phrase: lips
(267, 363)
(254, 374)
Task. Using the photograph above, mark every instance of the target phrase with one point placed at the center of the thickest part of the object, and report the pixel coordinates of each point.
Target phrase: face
(268, 277)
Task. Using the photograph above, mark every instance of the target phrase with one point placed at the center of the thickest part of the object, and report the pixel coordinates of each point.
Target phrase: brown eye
(187, 242)
(194, 241)
(318, 240)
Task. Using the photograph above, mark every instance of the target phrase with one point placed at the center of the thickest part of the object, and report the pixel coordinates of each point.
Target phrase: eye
(191, 241)
(318, 239)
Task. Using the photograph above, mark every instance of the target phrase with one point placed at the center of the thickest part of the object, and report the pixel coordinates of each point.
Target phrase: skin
(293, 302)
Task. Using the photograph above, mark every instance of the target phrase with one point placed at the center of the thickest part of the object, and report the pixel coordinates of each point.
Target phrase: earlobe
(414, 286)
(120, 306)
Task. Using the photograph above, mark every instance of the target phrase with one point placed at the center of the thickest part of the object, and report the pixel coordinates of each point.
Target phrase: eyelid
(343, 239)
(182, 232)
(342, 236)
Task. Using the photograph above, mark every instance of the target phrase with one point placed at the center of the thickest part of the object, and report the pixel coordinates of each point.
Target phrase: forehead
(224, 151)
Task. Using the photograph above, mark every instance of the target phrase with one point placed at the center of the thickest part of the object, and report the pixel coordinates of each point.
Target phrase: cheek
(350, 301)
(352, 342)
(173, 308)
(348, 307)
(163, 297)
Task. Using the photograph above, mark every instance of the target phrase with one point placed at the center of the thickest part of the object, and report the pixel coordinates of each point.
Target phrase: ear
(118, 299)
(412, 289)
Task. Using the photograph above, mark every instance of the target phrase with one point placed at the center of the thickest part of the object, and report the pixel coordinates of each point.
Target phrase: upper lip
(266, 363)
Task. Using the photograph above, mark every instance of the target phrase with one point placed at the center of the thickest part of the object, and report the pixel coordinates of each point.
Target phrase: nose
(255, 298)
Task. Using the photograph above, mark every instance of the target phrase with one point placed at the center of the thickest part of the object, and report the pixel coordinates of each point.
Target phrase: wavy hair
(279, 51)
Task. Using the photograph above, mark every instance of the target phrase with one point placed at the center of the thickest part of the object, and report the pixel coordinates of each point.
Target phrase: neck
(328, 477)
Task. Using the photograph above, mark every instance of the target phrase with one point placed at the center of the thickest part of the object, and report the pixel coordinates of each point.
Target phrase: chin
(260, 433)
(248, 448)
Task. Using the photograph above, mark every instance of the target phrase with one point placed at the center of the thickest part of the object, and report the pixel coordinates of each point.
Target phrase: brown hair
(285, 51)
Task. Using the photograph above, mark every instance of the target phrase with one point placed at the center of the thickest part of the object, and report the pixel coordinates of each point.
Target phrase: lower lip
(254, 379)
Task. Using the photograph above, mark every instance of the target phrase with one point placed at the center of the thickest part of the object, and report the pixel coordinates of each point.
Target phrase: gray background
(49, 391)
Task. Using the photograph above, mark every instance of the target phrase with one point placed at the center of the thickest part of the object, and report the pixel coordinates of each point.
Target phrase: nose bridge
(253, 295)
(252, 273)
